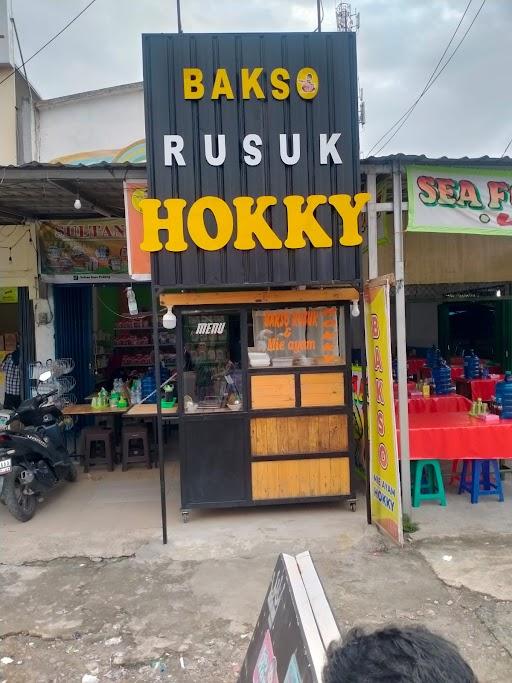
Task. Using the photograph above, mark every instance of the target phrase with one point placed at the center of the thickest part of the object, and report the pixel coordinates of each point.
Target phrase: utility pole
(319, 15)
(178, 12)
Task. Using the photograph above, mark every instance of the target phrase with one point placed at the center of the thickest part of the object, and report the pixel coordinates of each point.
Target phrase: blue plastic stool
(480, 483)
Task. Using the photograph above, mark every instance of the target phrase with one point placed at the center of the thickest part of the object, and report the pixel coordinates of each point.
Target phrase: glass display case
(304, 337)
(212, 378)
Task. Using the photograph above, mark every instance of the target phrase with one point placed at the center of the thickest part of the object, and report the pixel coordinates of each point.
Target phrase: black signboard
(294, 627)
(255, 134)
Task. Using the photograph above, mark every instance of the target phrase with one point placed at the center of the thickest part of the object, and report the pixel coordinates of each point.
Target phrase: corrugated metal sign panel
(334, 109)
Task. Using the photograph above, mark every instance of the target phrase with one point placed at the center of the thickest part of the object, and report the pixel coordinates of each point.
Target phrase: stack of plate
(282, 362)
(258, 359)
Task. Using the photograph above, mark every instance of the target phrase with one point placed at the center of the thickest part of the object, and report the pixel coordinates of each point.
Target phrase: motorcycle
(33, 454)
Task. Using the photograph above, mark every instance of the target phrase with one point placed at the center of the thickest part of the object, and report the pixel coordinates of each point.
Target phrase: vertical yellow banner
(384, 473)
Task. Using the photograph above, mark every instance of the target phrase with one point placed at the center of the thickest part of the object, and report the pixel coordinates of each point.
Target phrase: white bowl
(235, 406)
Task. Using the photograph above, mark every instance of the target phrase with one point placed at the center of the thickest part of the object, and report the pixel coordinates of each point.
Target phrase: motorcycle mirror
(45, 376)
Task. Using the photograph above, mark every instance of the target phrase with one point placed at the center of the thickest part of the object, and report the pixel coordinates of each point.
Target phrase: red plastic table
(438, 404)
(457, 436)
(478, 388)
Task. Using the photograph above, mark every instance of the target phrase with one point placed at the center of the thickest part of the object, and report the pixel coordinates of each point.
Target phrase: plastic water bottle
(442, 378)
(471, 365)
(132, 301)
(504, 396)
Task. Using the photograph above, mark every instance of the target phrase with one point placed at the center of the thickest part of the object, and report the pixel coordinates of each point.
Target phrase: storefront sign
(476, 201)
(139, 262)
(85, 251)
(253, 169)
(384, 474)
(8, 295)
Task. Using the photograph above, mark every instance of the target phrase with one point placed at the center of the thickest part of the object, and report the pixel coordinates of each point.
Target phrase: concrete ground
(88, 587)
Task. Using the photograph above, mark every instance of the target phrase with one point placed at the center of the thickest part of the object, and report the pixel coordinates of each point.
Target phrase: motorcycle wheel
(20, 505)
(72, 473)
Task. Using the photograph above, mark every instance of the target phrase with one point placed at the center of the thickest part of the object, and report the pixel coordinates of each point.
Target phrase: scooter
(33, 453)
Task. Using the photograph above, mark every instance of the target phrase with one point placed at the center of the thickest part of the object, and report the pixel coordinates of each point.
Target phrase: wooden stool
(93, 438)
(132, 453)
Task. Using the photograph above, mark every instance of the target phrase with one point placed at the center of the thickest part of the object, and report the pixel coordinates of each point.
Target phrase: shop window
(212, 364)
(306, 336)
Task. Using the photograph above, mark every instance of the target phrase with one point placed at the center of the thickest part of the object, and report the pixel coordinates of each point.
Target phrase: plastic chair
(454, 477)
(135, 446)
(427, 482)
(480, 483)
(98, 448)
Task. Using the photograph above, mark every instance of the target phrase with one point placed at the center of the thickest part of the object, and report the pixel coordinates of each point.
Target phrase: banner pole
(401, 342)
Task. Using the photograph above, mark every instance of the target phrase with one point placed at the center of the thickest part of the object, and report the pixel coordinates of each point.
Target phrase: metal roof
(421, 159)
(38, 191)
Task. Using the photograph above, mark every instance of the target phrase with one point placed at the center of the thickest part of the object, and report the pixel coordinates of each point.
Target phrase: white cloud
(399, 43)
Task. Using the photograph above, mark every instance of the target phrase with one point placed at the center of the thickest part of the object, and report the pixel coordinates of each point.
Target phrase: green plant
(409, 525)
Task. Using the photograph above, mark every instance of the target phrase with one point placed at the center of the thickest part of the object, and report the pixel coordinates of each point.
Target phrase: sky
(466, 113)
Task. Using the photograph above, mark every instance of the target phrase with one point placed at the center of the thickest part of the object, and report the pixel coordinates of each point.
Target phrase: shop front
(252, 223)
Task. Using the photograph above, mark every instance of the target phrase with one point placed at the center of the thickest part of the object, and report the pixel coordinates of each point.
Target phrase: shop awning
(38, 191)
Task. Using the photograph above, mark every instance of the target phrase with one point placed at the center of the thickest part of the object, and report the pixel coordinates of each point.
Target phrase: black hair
(396, 655)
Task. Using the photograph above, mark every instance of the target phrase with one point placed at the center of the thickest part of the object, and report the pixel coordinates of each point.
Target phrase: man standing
(11, 367)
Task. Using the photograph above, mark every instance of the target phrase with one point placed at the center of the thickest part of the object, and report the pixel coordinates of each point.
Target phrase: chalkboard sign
(294, 628)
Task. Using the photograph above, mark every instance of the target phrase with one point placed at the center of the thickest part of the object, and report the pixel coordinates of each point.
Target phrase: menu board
(298, 336)
(294, 628)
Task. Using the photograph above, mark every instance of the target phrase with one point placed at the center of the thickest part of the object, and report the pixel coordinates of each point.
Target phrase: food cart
(253, 226)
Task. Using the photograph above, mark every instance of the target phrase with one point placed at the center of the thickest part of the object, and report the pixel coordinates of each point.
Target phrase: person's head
(396, 655)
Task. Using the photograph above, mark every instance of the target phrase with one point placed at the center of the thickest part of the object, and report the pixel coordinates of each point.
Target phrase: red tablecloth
(478, 388)
(438, 404)
(457, 436)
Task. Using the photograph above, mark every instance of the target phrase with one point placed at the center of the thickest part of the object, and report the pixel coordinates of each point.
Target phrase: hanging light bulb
(498, 293)
(169, 319)
(10, 255)
(77, 203)
(354, 309)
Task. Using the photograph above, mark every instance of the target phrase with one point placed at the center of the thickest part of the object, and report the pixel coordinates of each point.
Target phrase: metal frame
(397, 206)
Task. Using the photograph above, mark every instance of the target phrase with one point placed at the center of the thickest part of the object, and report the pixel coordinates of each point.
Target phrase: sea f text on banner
(384, 473)
(250, 222)
(473, 201)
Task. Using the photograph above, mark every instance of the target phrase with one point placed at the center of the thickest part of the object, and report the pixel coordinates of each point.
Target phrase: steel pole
(155, 296)
(401, 341)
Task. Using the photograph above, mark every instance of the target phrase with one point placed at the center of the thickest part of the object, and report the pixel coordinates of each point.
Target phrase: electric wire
(431, 80)
(48, 42)
(506, 148)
